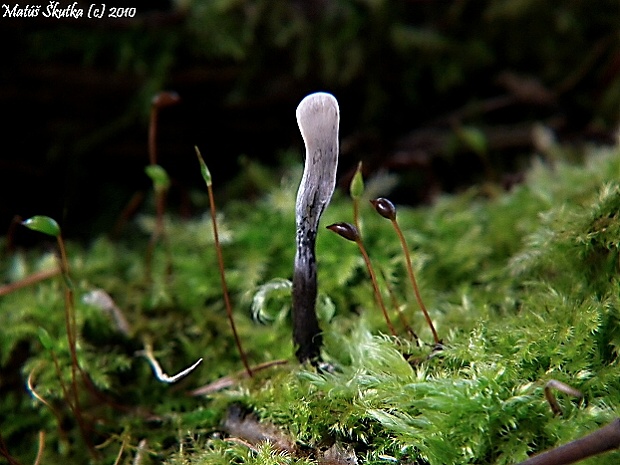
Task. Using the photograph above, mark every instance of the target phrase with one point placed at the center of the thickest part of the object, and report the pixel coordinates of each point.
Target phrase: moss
(522, 287)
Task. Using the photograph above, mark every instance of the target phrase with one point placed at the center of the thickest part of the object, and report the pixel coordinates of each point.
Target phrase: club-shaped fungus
(318, 118)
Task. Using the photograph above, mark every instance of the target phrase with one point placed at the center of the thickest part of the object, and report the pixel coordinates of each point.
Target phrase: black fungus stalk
(318, 118)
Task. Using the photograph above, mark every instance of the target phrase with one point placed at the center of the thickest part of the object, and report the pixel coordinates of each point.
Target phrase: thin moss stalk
(386, 209)
(161, 183)
(396, 306)
(50, 227)
(206, 174)
(350, 232)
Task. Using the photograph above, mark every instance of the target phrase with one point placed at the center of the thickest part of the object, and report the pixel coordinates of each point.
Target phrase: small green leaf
(473, 138)
(45, 338)
(325, 308)
(43, 224)
(356, 189)
(158, 175)
(204, 170)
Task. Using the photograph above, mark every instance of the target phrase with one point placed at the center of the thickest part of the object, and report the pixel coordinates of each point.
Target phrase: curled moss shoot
(350, 232)
(386, 209)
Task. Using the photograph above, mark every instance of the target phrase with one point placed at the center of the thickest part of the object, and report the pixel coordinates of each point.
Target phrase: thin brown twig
(243, 443)
(602, 440)
(41, 447)
(241, 424)
(29, 280)
(230, 380)
(104, 302)
(562, 387)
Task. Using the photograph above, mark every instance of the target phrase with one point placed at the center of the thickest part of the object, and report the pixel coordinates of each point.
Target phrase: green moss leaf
(158, 175)
(204, 170)
(45, 338)
(43, 224)
(356, 189)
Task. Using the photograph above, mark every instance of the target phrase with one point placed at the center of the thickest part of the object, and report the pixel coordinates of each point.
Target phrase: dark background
(416, 80)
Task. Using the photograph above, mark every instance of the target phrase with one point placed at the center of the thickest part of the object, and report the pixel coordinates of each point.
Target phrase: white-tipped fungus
(318, 117)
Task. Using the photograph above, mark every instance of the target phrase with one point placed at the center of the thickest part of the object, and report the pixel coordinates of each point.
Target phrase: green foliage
(159, 177)
(356, 189)
(204, 169)
(43, 224)
(522, 287)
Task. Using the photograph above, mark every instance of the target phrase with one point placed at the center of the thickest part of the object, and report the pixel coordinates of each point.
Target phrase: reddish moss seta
(386, 209)
(350, 232)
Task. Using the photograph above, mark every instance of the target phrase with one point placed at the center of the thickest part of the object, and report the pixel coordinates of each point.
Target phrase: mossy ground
(523, 288)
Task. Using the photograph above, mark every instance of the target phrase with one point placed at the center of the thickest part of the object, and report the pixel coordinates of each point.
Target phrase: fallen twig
(602, 440)
(230, 380)
(562, 387)
(29, 280)
(245, 428)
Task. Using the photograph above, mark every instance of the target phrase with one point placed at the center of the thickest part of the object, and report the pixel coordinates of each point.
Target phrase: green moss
(522, 287)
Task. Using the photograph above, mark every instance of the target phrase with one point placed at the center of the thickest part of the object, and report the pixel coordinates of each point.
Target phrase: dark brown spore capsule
(385, 208)
(165, 99)
(346, 230)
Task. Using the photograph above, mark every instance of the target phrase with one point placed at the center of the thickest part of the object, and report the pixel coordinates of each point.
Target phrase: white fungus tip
(316, 114)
